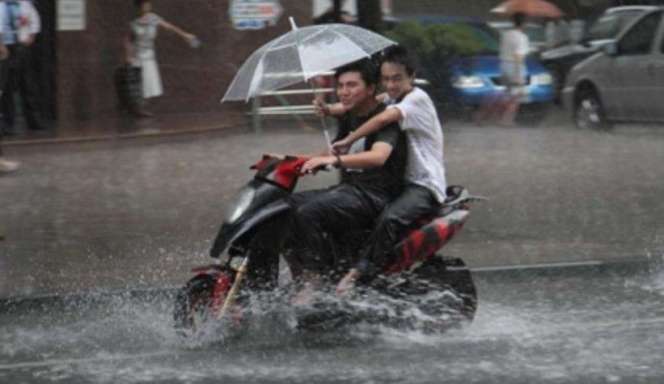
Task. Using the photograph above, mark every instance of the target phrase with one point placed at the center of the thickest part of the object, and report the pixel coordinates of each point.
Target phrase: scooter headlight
(468, 82)
(240, 205)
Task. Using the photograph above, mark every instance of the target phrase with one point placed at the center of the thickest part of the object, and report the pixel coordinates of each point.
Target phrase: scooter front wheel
(200, 300)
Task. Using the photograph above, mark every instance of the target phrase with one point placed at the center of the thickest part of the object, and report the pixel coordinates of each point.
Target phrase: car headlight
(240, 205)
(468, 82)
(541, 79)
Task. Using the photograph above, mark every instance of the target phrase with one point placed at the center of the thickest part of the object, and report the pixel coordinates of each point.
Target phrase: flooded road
(592, 324)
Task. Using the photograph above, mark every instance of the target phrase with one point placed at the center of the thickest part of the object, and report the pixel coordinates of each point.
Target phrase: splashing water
(588, 326)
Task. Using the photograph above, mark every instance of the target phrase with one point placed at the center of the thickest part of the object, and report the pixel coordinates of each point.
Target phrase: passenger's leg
(414, 203)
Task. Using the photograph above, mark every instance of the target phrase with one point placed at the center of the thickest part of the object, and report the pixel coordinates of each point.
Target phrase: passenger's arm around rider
(375, 124)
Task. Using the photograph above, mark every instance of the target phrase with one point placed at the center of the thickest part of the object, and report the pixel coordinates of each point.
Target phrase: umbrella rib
(367, 54)
(275, 47)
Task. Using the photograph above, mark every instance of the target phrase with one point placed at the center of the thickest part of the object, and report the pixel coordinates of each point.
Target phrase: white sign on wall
(254, 14)
(71, 15)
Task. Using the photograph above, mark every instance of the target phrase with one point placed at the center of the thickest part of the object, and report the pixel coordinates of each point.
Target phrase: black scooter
(216, 291)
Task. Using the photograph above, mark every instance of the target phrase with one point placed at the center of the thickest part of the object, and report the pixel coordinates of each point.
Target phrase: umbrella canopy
(301, 54)
(533, 8)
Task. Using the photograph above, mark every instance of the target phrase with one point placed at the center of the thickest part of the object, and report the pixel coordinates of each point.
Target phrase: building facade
(76, 67)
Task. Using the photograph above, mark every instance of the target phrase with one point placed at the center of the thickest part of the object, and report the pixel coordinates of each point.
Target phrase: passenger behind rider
(371, 176)
(414, 111)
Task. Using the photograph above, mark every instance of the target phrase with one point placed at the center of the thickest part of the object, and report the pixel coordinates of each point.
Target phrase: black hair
(398, 54)
(365, 67)
(518, 19)
(139, 3)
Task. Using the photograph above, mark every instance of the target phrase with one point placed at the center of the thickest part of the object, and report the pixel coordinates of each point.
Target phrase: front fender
(230, 232)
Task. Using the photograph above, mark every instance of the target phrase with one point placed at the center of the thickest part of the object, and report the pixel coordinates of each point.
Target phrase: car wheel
(589, 113)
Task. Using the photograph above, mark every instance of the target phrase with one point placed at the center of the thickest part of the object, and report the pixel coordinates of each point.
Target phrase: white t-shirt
(25, 22)
(513, 42)
(424, 137)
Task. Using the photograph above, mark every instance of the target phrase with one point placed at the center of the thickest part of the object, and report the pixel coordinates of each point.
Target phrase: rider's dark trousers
(332, 216)
(414, 202)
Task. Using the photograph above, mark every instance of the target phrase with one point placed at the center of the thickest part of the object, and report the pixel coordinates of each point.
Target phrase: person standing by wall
(20, 23)
(140, 49)
(6, 166)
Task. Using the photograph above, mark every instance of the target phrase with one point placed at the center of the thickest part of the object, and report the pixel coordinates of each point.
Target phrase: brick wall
(194, 80)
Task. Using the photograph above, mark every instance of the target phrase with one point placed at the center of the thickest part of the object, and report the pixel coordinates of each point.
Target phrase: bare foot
(310, 283)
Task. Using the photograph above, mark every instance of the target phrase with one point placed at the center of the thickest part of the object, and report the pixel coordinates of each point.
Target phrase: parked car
(622, 82)
(604, 29)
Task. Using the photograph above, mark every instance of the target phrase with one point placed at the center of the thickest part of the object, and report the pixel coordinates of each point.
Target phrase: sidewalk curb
(146, 133)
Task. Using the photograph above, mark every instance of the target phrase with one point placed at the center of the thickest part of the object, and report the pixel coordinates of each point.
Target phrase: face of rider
(353, 92)
(395, 80)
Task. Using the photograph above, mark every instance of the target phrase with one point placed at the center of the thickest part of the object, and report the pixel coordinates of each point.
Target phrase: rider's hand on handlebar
(315, 164)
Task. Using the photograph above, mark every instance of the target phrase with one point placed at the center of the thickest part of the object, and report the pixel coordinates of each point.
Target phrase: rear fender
(422, 243)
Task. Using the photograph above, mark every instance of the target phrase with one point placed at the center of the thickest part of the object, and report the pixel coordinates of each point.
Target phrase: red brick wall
(194, 80)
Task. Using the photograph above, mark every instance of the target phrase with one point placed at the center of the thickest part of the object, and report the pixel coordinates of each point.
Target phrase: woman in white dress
(140, 48)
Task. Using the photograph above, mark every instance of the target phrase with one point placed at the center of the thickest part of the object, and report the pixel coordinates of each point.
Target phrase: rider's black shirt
(389, 177)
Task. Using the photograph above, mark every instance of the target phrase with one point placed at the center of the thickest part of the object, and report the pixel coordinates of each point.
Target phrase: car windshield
(609, 26)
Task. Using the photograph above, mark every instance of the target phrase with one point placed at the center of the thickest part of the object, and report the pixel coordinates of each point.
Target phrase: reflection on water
(600, 325)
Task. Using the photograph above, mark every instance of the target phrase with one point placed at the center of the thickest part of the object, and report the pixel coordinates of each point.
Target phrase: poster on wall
(71, 15)
(254, 14)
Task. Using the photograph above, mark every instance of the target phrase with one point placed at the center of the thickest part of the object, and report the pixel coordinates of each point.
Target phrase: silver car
(623, 82)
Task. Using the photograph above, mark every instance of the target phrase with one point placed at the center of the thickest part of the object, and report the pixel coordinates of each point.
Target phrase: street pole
(370, 15)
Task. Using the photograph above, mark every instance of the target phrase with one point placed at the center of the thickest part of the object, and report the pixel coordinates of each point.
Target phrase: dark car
(604, 29)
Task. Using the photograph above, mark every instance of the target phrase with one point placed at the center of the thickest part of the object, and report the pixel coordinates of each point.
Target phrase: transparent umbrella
(301, 54)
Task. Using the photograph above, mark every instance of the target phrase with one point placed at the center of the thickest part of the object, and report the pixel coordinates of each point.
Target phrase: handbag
(128, 86)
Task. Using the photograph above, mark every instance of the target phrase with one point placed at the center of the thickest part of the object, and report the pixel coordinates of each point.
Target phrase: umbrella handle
(322, 118)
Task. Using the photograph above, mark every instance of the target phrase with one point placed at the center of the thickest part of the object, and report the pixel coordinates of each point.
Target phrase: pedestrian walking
(514, 48)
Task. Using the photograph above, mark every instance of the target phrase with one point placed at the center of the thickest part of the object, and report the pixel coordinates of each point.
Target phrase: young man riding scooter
(414, 111)
(371, 176)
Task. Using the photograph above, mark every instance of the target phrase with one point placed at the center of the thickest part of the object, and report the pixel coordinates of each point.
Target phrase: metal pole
(255, 114)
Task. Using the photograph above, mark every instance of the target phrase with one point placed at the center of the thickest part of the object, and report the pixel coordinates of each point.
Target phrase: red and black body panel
(422, 243)
(283, 173)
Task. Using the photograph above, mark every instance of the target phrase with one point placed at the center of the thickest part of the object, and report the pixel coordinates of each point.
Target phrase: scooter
(217, 291)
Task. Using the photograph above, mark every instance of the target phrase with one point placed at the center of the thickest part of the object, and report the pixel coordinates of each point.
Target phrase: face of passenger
(353, 91)
(395, 79)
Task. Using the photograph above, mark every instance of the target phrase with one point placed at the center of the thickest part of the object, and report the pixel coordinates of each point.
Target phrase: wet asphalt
(591, 324)
(139, 213)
